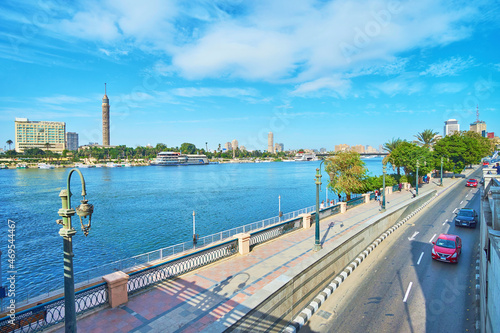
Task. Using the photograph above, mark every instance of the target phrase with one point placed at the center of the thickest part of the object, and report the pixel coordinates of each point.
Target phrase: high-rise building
(370, 150)
(451, 126)
(479, 127)
(358, 149)
(270, 141)
(105, 118)
(279, 147)
(234, 144)
(46, 135)
(243, 148)
(322, 150)
(228, 146)
(341, 147)
(71, 141)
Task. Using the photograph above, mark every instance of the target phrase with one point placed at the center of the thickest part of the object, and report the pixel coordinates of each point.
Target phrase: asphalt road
(399, 288)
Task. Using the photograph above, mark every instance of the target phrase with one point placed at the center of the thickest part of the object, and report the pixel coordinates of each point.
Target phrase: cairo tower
(105, 119)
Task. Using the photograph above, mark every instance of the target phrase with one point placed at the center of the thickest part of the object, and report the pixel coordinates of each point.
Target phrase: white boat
(45, 166)
(81, 165)
(98, 165)
(111, 165)
(3, 166)
(171, 158)
(21, 166)
(127, 165)
(300, 157)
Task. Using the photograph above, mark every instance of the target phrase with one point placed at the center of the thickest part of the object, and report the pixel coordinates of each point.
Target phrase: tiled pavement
(195, 300)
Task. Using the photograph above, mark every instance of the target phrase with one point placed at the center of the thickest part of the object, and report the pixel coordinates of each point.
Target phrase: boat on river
(171, 158)
(302, 157)
(21, 166)
(45, 166)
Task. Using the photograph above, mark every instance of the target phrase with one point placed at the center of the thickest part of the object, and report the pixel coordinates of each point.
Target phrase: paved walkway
(195, 300)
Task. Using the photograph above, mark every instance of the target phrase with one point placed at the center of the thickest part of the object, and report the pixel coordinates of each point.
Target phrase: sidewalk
(195, 300)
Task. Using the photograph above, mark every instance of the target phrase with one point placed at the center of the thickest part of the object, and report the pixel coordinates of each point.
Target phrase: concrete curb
(307, 313)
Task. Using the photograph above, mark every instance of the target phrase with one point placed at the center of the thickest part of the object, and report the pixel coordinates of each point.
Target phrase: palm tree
(9, 142)
(427, 138)
(389, 147)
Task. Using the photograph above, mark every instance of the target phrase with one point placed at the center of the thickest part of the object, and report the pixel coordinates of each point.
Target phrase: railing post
(367, 197)
(117, 288)
(343, 207)
(243, 243)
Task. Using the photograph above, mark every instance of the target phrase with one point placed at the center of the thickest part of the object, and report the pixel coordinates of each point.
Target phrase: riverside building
(451, 126)
(71, 141)
(270, 141)
(46, 135)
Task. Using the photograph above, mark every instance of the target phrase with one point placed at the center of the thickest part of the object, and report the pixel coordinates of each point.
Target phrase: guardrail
(151, 275)
(51, 313)
(354, 202)
(267, 234)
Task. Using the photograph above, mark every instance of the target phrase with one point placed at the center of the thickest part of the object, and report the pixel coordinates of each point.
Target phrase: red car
(471, 183)
(447, 248)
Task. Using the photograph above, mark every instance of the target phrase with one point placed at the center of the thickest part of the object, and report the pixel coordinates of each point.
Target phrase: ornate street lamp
(84, 210)
(416, 181)
(317, 243)
(441, 171)
(383, 185)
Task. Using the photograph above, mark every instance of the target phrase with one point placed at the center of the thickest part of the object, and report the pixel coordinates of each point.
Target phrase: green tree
(376, 182)
(347, 172)
(389, 147)
(407, 154)
(9, 142)
(427, 138)
(188, 148)
(47, 145)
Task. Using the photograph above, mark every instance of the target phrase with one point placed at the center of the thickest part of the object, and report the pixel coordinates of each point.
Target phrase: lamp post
(416, 181)
(317, 243)
(67, 232)
(383, 185)
(441, 171)
(280, 214)
(194, 227)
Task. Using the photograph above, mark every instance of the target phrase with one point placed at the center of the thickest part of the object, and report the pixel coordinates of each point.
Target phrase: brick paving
(195, 300)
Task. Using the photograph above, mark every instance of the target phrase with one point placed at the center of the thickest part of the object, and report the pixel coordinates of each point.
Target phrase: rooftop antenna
(104, 88)
(477, 114)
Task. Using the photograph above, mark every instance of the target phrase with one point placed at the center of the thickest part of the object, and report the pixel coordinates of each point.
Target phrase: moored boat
(171, 158)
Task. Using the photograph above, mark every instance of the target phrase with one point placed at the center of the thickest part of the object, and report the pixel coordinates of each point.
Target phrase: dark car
(466, 217)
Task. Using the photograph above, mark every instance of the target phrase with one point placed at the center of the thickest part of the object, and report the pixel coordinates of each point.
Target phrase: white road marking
(432, 238)
(454, 211)
(461, 202)
(421, 255)
(407, 292)
(413, 237)
(445, 222)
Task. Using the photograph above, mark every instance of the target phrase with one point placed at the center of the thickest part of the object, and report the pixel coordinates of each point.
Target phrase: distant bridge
(362, 154)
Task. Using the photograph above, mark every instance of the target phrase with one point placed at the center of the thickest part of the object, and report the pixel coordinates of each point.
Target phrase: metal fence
(267, 234)
(354, 202)
(145, 259)
(154, 274)
(42, 316)
(395, 188)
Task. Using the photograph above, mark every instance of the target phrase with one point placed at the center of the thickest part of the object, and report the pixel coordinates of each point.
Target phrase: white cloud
(448, 87)
(211, 92)
(336, 85)
(406, 84)
(62, 99)
(450, 67)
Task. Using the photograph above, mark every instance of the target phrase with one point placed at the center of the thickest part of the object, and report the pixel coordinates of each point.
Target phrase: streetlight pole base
(317, 247)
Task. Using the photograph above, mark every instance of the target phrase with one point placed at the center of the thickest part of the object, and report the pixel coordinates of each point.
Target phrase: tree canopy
(347, 173)
(427, 138)
(188, 148)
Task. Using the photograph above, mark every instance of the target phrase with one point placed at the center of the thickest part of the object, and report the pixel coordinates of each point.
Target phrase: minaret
(105, 118)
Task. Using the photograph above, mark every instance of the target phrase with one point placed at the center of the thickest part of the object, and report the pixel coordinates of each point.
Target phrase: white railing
(149, 258)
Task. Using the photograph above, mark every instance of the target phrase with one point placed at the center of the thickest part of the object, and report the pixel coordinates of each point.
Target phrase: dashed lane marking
(432, 238)
(421, 255)
(445, 222)
(407, 292)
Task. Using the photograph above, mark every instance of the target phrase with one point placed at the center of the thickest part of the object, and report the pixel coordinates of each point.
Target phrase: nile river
(140, 209)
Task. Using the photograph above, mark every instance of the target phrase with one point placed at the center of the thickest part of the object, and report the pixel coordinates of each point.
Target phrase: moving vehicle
(466, 217)
(447, 248)
(471, 183)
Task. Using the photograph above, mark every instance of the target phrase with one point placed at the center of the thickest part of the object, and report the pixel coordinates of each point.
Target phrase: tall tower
(270, 141)
(105, 118)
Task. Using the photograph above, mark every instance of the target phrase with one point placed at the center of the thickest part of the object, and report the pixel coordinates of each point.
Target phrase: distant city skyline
(315, 73)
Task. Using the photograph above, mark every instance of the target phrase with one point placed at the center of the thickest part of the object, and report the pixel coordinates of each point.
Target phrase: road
(399, 288)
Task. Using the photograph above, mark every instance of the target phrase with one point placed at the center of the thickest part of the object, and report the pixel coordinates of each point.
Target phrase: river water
(140, 209)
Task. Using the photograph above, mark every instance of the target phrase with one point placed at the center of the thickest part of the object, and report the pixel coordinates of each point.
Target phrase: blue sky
(316, 73)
